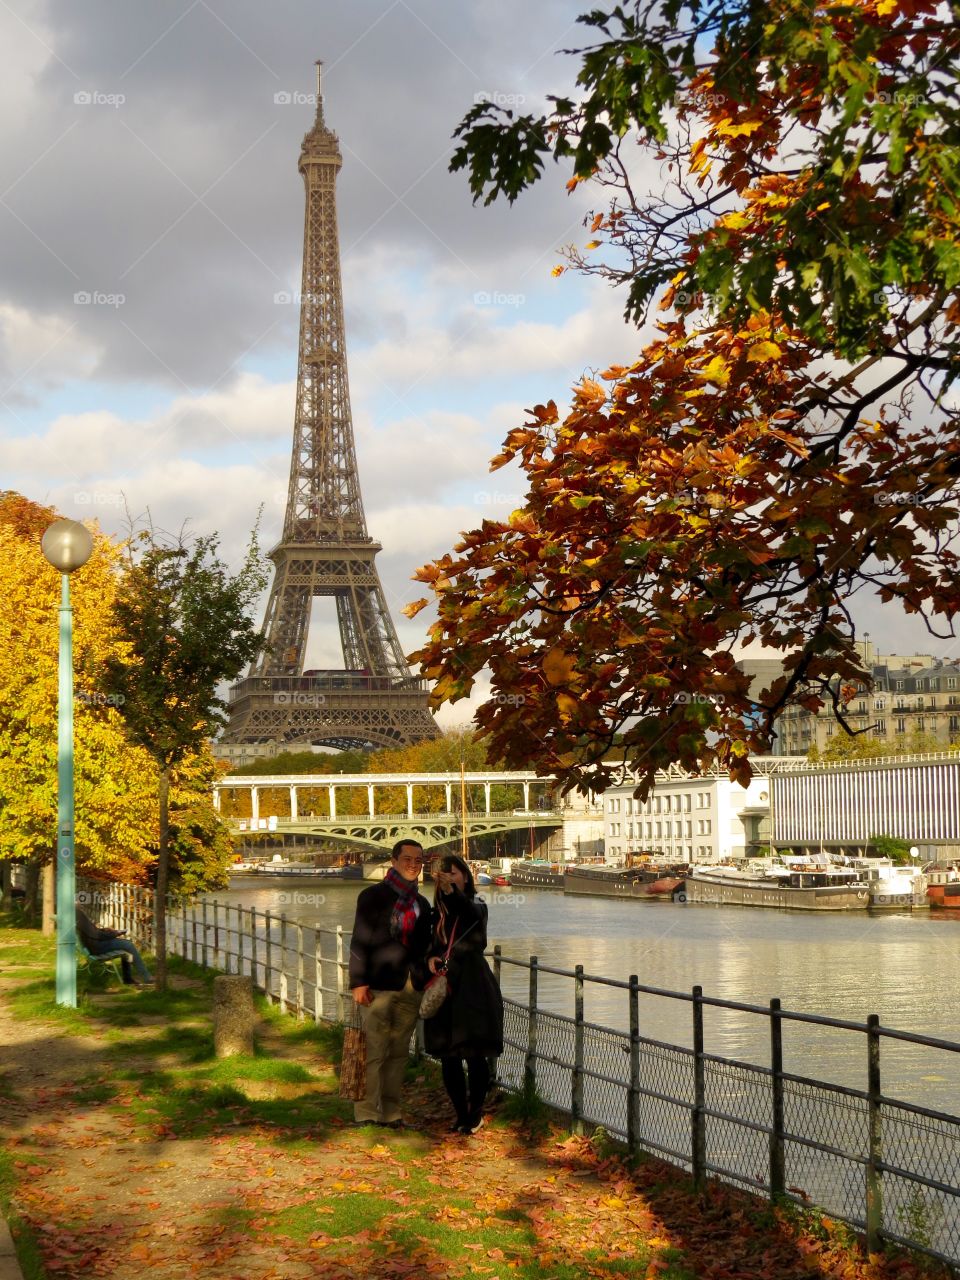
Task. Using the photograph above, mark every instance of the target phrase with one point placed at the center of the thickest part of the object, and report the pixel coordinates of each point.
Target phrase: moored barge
(813, 888)
(533, 873)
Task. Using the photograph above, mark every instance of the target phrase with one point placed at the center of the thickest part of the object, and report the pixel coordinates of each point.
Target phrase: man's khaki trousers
(388, 1023)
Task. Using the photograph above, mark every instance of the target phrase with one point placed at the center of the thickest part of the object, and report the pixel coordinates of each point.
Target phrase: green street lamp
(67, 545)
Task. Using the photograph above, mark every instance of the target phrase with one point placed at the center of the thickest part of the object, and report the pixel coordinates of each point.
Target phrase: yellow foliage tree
(116, 783)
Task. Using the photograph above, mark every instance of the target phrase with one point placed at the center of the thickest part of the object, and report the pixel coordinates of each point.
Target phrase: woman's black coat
(470, 1021)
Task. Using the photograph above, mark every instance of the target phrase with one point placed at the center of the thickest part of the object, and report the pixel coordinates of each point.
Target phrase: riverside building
(910, 695)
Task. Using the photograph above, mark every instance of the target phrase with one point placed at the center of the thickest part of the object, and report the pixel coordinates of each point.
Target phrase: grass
(351, 1200)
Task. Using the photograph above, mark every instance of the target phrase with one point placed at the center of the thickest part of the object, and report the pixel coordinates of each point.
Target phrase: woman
(469, 1024)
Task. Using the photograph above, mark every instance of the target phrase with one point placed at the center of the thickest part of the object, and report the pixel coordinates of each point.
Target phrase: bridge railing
(474, 816)
(889, 1167)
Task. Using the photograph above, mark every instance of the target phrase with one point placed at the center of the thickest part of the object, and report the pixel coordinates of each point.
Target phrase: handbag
(353, 1064)
(438, 988)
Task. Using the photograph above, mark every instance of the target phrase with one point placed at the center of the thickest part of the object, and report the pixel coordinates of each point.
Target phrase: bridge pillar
(486, 798)
(526, 797)
(216, 799)
(293, 804)
(448, 788)
(255, 804)
(370, 799)
(333, 801)
(409, 799)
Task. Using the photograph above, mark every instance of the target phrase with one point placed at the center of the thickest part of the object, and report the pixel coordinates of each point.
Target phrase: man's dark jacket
(377, 959)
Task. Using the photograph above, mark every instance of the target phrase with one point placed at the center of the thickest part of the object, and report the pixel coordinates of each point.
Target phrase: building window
(707, 827)
(686, 803)
(658, 806)
(659, 830)
(921, 724)
(951, 682)
(879, 704)
(899, 684)
(880, 729)
(689, 829)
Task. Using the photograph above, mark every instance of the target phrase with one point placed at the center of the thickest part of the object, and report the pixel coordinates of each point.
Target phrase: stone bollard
(233, 1014)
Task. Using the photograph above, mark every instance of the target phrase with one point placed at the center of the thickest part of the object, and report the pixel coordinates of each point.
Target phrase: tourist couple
(398, 943)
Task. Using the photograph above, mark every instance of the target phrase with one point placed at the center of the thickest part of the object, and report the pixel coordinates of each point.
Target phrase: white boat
(893, 886)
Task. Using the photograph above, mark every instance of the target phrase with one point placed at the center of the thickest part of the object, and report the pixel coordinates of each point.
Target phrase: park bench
(107, 963)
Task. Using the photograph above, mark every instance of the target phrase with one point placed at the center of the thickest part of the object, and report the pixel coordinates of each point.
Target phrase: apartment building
(910, 695)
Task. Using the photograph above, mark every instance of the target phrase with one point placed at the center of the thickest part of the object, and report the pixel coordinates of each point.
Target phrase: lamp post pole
(67, 545)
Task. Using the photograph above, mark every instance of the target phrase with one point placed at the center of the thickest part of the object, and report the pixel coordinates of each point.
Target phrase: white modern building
(691, 818)
(839, 807)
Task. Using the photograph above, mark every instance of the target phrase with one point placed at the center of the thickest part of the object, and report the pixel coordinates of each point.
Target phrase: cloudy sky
(151, 233)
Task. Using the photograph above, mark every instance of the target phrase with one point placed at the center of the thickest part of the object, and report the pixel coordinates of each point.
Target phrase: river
(905, 967)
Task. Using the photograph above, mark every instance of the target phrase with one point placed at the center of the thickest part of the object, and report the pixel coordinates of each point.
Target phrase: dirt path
(135, 1157)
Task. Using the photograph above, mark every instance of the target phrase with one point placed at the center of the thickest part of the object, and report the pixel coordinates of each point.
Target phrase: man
(103, 942)
(391, 934)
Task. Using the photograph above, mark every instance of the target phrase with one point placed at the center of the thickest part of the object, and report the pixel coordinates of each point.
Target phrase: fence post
(341, 984)
(283, 961)
(633, 1093)
(530, 1064)
(203, 925)
(267, 964)
(576, 1089)
(698, 1135)
(299, 971)
(875, 1137)
(216, 935)
(253, 945)
(318, 976)
(778, 1175)
(193, 932)
(183, 930)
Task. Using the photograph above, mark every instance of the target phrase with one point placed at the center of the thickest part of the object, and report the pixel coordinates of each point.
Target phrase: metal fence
(887, 1167)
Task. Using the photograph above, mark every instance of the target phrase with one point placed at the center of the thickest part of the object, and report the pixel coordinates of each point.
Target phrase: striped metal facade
(919, 802)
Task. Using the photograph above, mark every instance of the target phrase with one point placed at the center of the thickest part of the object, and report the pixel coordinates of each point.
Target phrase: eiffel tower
(325, 549)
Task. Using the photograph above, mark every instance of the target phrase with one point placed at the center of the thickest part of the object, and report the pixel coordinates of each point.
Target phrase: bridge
(431, 825)
(432, 830)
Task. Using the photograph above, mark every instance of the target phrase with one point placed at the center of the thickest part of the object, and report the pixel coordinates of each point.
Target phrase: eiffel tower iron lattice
(325, 549)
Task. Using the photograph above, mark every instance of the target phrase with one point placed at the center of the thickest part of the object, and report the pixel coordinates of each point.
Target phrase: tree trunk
(163, 875)
(6, 883)
(49, 892)
(32, 882)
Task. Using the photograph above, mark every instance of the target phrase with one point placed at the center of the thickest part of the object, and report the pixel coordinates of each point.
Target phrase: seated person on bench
(103, 942)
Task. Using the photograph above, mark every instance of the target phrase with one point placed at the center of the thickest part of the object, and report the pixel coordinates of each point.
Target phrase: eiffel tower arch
(325, 549)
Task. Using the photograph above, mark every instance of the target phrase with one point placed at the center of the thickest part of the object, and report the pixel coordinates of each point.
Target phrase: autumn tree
(186, 626)
(116, 782)
(787, 439)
